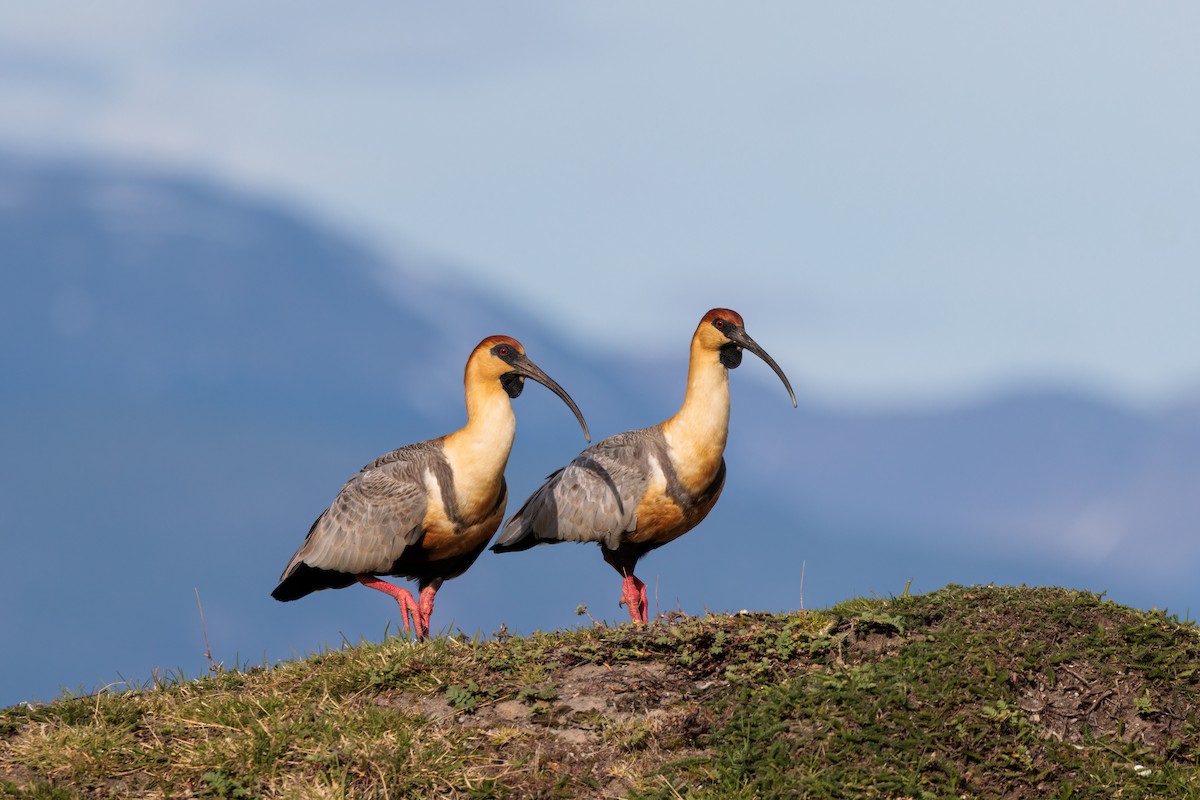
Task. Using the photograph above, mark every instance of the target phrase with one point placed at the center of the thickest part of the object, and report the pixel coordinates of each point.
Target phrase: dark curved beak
(742, 339)
(523, 366)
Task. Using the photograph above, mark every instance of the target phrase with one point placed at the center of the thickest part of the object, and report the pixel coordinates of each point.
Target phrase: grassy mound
(965, 692)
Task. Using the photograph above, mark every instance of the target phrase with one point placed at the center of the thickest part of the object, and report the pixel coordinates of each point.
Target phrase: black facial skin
(512, 383)
(505, 352)
(731, 356)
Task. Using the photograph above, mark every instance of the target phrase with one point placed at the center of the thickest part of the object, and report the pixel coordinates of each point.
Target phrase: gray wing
(592, 499)
(376, 515)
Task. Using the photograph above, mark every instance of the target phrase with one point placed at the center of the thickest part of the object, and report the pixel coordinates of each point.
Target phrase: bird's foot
(404, 598)
(425, 609)
(633, 597)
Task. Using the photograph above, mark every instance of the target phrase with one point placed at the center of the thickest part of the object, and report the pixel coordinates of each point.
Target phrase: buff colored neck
(478, 452)
(697, 433)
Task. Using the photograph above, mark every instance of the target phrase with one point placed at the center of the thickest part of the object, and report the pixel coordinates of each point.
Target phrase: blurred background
(246, 249)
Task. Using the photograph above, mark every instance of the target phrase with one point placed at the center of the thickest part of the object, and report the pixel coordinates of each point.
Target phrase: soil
(604, 725)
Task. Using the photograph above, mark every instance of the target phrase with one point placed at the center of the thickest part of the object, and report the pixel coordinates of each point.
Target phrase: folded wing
(592, 499)
(367, 527)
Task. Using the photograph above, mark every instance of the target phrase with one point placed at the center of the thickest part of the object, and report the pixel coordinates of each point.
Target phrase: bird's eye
(502, 351)
(720, 323)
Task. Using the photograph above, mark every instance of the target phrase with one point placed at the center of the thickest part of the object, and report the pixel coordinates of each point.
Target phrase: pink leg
(425, 607)
(633, 597)
(408, 606)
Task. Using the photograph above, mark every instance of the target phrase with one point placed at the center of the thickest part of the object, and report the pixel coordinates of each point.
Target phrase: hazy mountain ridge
(148, 284)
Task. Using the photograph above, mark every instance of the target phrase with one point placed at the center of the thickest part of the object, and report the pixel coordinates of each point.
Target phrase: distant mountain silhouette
(190, 373)
(1066, 476)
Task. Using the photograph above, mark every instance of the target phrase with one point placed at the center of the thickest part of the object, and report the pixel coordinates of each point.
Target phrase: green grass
(965, 692)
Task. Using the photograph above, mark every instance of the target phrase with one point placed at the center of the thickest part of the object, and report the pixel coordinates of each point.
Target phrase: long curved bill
(742, 339)
(523, 366)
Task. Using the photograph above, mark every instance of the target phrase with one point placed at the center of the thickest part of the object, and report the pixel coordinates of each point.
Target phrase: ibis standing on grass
(636, 491)
(427, 510)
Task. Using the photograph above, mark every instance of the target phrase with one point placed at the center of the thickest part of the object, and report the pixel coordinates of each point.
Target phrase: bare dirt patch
(599, 726)
(1082, 702)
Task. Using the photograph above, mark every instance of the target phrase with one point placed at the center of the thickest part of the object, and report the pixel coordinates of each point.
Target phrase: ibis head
(503, 359)
(724, 330)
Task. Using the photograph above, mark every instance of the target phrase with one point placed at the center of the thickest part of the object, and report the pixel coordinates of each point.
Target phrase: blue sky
(912, 202)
